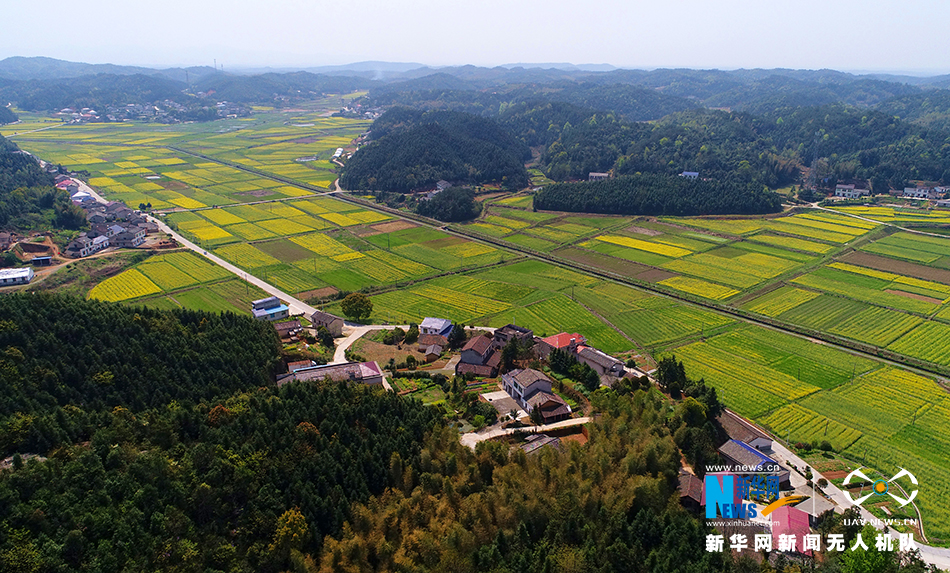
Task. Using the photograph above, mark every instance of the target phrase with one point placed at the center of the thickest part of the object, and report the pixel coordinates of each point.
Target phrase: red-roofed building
(788, 520)
(562, 341)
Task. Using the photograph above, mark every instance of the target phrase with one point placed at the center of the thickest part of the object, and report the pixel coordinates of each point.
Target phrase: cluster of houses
(111, 225)
(165, 111)
(851, 191)
(529, 390)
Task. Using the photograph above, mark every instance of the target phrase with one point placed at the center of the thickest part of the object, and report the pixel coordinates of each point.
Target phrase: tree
(412, 335)
(292, 533)
(457, 337)
(357, 307)
(324, 336)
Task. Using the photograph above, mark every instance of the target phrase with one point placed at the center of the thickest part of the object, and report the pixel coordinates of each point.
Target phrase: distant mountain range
(41, 68)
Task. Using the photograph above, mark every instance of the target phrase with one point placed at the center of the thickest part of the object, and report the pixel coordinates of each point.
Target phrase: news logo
(880, 487)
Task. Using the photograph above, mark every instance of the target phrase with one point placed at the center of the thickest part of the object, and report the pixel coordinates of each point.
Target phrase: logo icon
(881, 487)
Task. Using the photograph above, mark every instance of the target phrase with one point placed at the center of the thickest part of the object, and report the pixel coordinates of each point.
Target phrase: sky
(847, 35)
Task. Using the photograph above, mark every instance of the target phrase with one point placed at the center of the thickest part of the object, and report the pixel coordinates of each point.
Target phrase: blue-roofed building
(440, 326)
(269, 308)
(751, 460)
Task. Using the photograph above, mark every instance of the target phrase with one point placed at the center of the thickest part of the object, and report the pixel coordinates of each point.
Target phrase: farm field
(892, 292)
(687, 256)
(549, 300)
(353, 258)
(132, 162)
(179, 279)
(808, 392)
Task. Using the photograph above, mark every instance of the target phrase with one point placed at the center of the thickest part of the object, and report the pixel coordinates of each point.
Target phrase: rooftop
(691, 486)
(527, 376)
(438, 324)
(15, 273)
(480, 344)
(354, 371)
(737, 429)
(745, 454)
(563, 340)
(258, 312)
(598, 357)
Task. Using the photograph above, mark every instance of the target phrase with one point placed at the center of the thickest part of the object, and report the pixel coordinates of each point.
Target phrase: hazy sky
(853, 35)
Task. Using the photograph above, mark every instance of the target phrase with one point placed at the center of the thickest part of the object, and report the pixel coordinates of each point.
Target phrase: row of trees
(649, 194)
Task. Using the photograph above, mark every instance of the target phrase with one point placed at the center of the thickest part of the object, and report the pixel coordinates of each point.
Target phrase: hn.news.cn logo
(881, 487)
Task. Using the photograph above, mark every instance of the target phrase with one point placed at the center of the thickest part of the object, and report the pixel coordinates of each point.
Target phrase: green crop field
(779, 301)
(929, 341)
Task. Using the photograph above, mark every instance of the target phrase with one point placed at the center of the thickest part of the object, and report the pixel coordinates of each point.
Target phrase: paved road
(472, 438)
(19, 133)
(296, 306)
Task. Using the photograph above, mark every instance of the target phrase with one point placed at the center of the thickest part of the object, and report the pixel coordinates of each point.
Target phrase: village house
(287, 328)
(531, 390)
(269, 308)
(849, 192)
(691, 491)
(479, 357)
(299, 365)
(562, 341)
(332, 323)
(508, 332)
(922, 193)
(433, 353)
(130, 238)
(361, 372)
(602, 363)
(738, 429)
(427, 340)
(440, 326)
(739, 453)
(595, 176)
(690, 174)
(83, 246)
(10, 277)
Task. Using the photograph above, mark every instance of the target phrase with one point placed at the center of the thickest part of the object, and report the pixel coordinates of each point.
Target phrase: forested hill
(649, 194)
(28, 200)
(90, 91)
(65, 361)
(7, 115)
(634, 103)
(770, 149)
(252, 482)
(413, 149)
(264, 87)
(18, 169)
